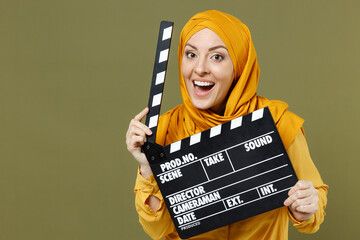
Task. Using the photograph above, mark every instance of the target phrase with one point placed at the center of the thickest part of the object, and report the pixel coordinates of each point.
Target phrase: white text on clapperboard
(186, 201)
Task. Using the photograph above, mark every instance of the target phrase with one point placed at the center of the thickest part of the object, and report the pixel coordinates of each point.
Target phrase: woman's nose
(201, 67)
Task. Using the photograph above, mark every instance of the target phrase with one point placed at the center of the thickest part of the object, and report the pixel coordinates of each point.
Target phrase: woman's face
(208, 71)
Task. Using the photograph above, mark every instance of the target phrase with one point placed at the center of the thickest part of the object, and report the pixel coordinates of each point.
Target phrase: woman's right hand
(135, 138)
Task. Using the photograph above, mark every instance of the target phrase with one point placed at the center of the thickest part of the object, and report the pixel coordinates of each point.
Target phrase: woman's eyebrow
(188, 44)
(210, 49)
(216, 47)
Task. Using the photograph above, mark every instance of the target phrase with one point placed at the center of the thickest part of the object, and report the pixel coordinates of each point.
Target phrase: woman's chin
(201, 106)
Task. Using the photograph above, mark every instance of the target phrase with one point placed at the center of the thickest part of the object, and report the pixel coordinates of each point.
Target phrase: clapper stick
(158, 78)
(222, 175)
(154, 152)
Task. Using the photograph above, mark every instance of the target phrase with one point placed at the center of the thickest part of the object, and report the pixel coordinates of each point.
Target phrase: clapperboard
(227, 173)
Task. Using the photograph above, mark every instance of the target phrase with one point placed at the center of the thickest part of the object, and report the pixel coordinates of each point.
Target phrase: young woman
(219, 75)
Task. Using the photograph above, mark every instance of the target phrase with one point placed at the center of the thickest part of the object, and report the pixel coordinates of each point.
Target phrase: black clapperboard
(227, 173)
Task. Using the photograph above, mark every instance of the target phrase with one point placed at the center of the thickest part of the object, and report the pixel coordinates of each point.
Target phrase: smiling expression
(207, 70)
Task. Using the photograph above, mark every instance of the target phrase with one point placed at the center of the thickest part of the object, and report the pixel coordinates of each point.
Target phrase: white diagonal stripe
(167, 33)
(163, 55)
(215, 131)
(175, 146)
(195, 138)
(156, 100)
(153, 121)
(257, 114)
(236, 123)
(160, 77)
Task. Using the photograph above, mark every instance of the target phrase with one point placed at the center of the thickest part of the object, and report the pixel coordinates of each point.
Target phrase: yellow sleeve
(157, 224)
(306, 170)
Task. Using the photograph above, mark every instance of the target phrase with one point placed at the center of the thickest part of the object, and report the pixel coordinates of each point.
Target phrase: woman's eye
(217, 57)
(190, 54)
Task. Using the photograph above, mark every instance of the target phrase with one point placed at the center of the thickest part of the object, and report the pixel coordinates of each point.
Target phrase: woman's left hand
(303, 200)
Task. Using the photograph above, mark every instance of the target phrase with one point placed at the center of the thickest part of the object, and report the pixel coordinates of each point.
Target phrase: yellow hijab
(186, 120)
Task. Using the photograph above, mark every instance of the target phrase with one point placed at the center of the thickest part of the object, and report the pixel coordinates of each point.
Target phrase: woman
(219, 74)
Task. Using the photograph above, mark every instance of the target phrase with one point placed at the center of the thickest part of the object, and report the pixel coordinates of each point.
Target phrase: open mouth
(202, 88)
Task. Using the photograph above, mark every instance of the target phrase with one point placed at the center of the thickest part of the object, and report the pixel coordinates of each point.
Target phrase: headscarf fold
(186, 120)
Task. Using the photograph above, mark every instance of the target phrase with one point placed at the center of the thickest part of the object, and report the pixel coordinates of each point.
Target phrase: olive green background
(74, 72)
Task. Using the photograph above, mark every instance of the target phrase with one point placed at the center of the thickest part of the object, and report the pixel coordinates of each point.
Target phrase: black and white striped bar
(158, 78)
(196, 138)
(225, 174)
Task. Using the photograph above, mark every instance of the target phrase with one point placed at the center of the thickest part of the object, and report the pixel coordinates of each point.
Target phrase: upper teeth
(200, 83)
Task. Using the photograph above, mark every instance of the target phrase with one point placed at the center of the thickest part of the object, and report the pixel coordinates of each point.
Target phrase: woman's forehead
(205, 38)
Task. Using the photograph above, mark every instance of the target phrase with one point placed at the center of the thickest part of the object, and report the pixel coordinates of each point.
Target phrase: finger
(135, 131)
(142, 114)
(138, 141)
(135, 143)
(310, 208)
(143, 127)
(301, 184)
(299, 194)
(304, 201)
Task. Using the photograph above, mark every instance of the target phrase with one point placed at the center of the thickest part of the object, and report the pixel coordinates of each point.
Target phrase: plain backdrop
(74, 72)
